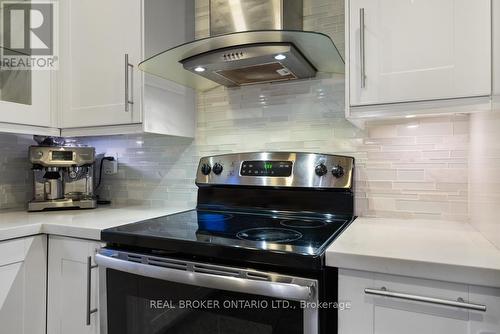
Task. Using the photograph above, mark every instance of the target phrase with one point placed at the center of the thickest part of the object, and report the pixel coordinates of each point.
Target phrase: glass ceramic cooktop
(308, 235)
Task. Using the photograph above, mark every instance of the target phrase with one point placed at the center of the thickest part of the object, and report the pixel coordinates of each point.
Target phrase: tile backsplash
(15, 186)
(484, 174)
(406, 168)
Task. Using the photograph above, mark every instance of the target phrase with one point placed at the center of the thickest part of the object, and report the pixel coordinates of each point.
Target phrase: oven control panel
(266, 168)
(277, 169)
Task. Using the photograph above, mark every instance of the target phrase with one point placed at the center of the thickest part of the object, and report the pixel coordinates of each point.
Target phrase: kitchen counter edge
(430, 249)
(83, 224)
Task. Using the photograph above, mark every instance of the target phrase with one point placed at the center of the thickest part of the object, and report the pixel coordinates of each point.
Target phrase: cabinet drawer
(415, 305)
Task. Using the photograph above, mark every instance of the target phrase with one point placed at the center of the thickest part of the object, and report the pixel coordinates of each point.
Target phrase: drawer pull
(89, 309)
(430, 300)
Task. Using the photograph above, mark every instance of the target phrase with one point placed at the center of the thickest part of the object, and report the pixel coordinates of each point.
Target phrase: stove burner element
(269, 234)
(210, 217)
(296, 223)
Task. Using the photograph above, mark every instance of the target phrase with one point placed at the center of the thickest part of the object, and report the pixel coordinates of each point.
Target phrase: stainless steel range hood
(251, 42)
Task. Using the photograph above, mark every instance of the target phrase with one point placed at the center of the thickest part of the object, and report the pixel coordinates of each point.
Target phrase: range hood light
(280, 57)
(199, 69)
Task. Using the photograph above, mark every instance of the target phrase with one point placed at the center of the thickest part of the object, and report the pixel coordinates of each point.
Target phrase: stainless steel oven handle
(265, 288)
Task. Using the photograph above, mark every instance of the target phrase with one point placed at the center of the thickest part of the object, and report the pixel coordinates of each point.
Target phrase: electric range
(295, 240)
(259, 233)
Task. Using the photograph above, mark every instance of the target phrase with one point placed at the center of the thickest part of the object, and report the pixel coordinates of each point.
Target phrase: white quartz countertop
(85, 224)
(441, 250)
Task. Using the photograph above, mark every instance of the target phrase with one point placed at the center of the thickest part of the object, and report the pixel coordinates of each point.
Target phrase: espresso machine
(63, 178)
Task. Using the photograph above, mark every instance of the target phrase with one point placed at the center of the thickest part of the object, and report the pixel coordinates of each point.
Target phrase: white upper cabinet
(418, 50)
(25, 91)
(25, 97)
(103, 91)
(95, 74)
(496, 53)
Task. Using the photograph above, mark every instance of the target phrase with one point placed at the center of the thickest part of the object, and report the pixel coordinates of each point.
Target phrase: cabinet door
(169, 108)
(67, 286)
(99, 35)
(374, 314)
(418, 50)
(23, 285)
(25, 96)
(496, 54)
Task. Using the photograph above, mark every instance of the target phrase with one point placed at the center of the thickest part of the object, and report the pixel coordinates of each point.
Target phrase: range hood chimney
(228, 16)
(251, 42)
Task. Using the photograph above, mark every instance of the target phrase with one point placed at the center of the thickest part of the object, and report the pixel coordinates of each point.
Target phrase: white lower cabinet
(488, 322)
(23, 275)
(68, 279)
(388, 315)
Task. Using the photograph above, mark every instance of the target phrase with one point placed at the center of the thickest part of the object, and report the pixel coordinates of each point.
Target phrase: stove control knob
(321, 169)
(205, 169)
(338, 171)
(218, 169)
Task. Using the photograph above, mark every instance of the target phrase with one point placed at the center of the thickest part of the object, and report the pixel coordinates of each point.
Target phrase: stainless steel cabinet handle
(89, 289)
(362, 46)
(129, 93)
(236, 284)
(445, 302)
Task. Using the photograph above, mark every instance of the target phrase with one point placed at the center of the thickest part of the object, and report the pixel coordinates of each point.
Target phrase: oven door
(143, 294)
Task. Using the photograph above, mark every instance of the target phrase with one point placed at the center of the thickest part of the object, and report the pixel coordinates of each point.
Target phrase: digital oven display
(62, 155)
(266, 168)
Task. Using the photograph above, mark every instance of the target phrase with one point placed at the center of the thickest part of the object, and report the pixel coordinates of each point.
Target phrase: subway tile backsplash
(406, 168)
(484, 174)
(15, 186)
